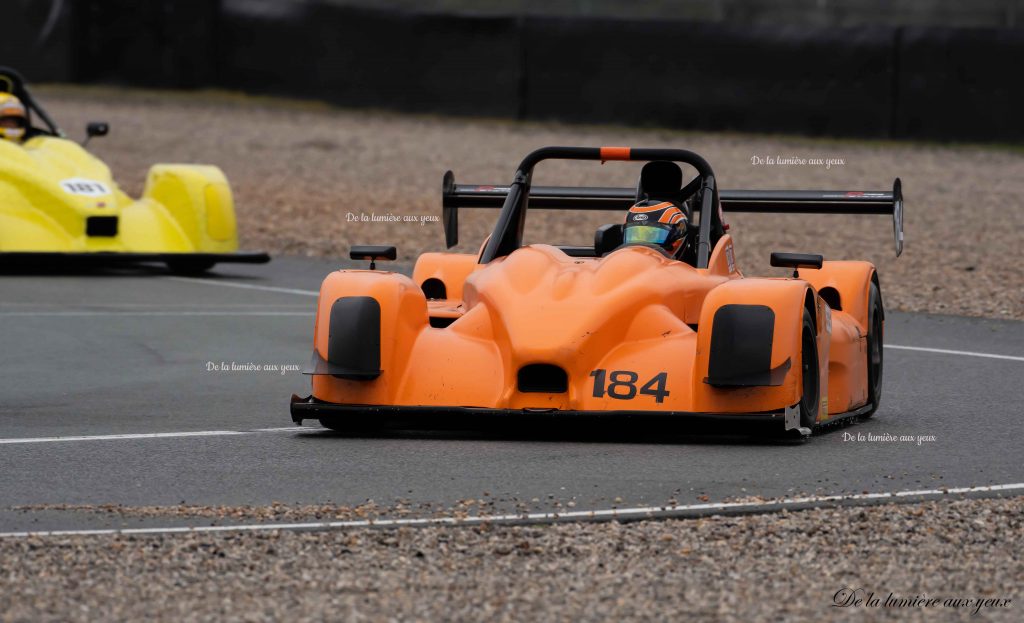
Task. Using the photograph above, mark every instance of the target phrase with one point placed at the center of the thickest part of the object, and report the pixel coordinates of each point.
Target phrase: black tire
(876, 349)
(186, 266)
(810, 401)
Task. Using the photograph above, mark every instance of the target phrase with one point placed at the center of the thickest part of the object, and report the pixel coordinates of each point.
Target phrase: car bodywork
(60, 204)
(520, 333)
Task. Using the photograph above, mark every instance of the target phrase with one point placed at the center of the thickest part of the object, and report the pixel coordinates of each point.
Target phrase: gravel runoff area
(794, 566)
(299, 170)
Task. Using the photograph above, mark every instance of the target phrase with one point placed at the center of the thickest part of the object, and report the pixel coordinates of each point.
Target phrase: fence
(918, 82)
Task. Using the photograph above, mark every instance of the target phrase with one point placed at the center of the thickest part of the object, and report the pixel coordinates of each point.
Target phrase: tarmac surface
(107, 396)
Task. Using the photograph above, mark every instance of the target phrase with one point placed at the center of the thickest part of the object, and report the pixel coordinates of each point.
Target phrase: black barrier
(698, 75)
(37, 39)
(159, 43)
(877, 81)
(268, 51)
(364, 57)
(961, 84)
(464, 65)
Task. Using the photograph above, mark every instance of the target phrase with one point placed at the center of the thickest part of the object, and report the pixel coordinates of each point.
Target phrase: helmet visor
(645, 233)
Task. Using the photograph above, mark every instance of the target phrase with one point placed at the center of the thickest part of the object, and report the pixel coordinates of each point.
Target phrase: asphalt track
(107, 397)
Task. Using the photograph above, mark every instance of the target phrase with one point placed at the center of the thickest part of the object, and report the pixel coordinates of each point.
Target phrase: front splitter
(356, 418)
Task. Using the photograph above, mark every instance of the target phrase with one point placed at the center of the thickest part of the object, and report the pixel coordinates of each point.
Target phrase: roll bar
(515, 198)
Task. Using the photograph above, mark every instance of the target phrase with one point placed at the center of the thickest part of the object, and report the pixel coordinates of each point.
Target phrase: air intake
(543, 378)
(104, 226)
(434, 289)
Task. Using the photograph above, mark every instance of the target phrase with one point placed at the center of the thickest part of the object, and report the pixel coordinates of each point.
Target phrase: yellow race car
(60, 205)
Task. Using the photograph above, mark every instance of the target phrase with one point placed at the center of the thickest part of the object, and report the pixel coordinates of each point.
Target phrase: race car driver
(13, 120)
(659, 223)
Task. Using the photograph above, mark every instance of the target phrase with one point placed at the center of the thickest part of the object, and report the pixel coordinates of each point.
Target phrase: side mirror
(796, 261)
(95, 128)
(372, 253)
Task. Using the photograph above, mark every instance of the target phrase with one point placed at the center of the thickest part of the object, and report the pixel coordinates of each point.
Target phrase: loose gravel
(784, 566)
(299, 170)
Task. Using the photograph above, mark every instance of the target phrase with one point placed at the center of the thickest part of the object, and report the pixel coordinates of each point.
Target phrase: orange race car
(654, 324)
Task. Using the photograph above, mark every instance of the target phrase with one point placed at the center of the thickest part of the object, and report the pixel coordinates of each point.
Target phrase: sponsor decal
(854, 193)
(639, 217)
(84, 187)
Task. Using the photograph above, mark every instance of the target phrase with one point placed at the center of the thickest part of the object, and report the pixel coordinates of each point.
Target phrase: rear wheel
(875, 349)
(810, 400)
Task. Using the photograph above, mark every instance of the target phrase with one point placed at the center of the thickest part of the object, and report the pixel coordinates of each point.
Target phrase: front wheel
(810, 400)
(875, 350)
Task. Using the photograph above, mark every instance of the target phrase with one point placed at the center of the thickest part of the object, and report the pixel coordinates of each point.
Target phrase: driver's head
(13, 120)
(660, 223)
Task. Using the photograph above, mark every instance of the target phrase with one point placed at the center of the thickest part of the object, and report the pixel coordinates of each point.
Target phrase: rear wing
(455, 196)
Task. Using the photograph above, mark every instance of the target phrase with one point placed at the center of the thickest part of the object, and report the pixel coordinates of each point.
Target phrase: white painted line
(246, 286)
(195, 433)
(965, 353)
(7, 306)
(159, 313)
(188, 433)
(639, 512)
